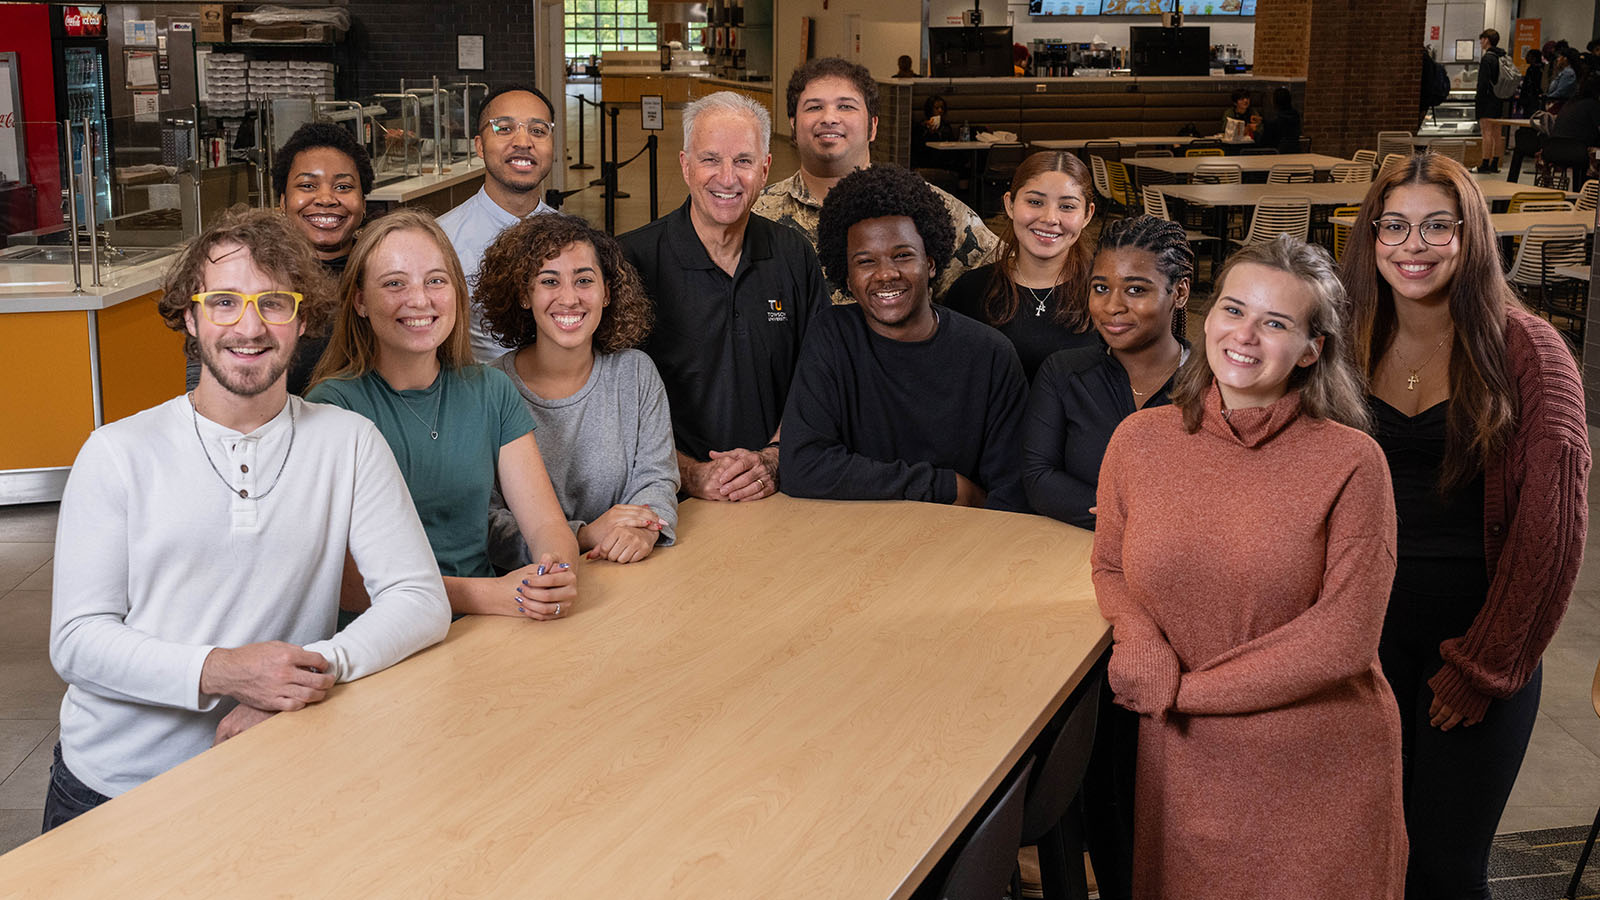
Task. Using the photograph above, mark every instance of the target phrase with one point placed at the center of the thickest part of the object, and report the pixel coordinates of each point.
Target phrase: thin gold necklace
(1411, 377)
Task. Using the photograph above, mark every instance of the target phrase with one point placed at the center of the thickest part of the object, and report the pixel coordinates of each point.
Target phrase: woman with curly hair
(400, 355)
(894, 397)
(1035, 290)
(1479, 407)
(562, 296)
(1269, 745)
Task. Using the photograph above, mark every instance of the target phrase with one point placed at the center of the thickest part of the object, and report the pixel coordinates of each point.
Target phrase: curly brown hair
(505, 280)
(278, 249)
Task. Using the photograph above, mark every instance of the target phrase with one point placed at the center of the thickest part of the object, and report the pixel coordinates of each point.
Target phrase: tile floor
(1559, 784)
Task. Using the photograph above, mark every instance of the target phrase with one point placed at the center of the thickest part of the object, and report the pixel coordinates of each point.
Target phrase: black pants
(67, 797)
(1456, 781)
(1108, 797)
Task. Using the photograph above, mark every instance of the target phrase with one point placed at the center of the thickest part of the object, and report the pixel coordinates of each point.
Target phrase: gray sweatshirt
(609, 443)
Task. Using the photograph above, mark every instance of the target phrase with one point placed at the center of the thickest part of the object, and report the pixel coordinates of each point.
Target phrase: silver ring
(558, 609)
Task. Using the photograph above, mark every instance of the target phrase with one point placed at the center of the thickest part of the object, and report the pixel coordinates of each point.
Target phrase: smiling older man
(734, 296)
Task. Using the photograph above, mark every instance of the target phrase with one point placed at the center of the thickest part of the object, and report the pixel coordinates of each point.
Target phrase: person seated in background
(401, 356)
(1034, 291)
(904, 67)
(561, 295)
(189, 607)
(1563, 80)
(1282, 131)
(1138, 288)
(1578, 125)
(322, 176)
(895, 398)
(1240, 111)
(833, 115)
(735, 295)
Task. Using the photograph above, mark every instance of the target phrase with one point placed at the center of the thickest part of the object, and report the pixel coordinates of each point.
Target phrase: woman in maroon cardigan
(1269, 745)
(1479, 408)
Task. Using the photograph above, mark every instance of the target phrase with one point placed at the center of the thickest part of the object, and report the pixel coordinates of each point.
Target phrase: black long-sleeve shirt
(872, 418)
(1079, 398)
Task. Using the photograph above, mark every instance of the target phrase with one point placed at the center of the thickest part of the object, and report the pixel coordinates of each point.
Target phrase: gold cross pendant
(1411, 382)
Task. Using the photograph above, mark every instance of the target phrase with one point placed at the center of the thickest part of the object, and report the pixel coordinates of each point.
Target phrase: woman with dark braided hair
(1034, 290)
(1138, 287)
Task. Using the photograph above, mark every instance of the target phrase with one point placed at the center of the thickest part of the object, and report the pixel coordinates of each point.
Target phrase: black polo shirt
(726, 347)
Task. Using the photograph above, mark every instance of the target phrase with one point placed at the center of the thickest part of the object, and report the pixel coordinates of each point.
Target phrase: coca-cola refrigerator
(79, 37)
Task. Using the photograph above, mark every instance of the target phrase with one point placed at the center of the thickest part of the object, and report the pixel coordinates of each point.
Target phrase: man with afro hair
(894, 397)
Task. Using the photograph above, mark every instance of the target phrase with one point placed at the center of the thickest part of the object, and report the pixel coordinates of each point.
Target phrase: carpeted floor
(1537, 865)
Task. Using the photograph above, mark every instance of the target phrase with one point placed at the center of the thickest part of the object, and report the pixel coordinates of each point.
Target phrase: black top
(308, 352)
(1484, 101)
(871, 418)
(1078, 399)
(1032, 330)
(726, 347)
(1580, 120)
(1281, 131)
(1530, 96)
(1432, 527)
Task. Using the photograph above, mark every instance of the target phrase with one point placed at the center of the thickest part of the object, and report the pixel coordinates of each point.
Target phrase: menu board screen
(1218, 7)
(1134, 7)
(1063, 7)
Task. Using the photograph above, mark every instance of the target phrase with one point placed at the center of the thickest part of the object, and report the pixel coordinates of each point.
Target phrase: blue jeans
(67, 798)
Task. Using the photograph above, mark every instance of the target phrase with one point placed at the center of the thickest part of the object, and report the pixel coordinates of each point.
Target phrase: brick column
(1361, 60)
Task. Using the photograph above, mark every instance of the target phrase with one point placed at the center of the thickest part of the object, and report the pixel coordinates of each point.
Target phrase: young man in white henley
(201, 543)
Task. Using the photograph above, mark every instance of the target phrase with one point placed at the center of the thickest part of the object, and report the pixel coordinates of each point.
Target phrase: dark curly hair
(874, 193)
(512, 262)
(833, 67)
(1170, 246)
(312, 135)
(278, 249)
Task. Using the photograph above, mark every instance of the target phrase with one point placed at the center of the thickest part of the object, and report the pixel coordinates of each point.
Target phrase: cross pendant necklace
(1411, 381)
(1412, 378)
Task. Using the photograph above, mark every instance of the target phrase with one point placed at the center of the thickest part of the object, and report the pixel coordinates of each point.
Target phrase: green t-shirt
(478, 411)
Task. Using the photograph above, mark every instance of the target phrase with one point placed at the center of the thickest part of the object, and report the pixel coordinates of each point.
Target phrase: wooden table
(1140, 141)
(977, 149)
(1184, 166)
(802, 699)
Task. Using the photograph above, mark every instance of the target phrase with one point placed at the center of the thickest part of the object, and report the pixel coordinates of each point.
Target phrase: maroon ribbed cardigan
(1535, 519)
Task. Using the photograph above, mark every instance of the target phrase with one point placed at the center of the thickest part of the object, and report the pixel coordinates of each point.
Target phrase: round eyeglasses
(1435, 232)
(227, 307)
(538, 129)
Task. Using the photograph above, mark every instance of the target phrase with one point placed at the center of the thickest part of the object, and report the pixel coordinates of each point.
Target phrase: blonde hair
(1331, 387)
(353, 350)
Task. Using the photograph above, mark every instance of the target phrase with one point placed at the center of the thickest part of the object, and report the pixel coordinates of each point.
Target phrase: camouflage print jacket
(789, 202)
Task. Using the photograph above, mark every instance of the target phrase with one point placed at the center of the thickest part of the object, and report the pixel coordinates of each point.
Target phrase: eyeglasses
(227, 307)
(1435, 232)
(538, 129)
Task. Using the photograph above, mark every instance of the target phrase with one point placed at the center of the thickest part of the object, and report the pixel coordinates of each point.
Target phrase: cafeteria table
(1184, 166)
(1223, 197)
(1171, 140)
(803, 698)
(977, 149)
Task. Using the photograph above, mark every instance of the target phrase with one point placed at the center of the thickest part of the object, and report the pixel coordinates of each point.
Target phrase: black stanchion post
(611, 187)
(609, 176)
(601, 109)
(652, 145)
(582, 101)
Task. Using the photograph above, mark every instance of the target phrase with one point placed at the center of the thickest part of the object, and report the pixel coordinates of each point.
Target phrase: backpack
(1435, 82)
(1510, 80)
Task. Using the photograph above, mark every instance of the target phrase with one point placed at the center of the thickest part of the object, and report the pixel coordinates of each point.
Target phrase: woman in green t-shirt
(400, 356)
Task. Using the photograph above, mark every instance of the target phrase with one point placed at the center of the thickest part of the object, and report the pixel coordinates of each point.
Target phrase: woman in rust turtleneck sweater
(1244, 553)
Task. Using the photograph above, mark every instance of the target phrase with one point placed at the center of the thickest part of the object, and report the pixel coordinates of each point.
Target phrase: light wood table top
(802, 699)
(1516, 223)
(1186, 165)
(1321, 193)
(1141, 141)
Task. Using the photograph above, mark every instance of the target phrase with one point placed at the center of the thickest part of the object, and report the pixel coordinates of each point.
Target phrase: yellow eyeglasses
(227, 307)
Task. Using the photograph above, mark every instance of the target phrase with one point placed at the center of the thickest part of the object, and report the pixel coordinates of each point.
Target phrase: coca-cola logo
(84, 21)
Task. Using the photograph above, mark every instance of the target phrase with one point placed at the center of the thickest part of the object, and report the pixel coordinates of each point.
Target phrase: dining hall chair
(1521, 200)
(1370, 157)
(1217, 173)
(1278, 215)
(1588, 197)
(1392, 161)
(1052, 816)
(1394, 142)
(979, 865)
(1544, 248)
(1341, 233)
(1291, 173)
(1104, 149)
(1351, 172)
(1123, 198)
(1102, 181)
(1204, 151)
(1455, 148)
(1259, 151)
(1155, 204)
(1156, 153)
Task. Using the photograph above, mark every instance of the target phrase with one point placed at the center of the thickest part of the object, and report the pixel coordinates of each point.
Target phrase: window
(595, 26)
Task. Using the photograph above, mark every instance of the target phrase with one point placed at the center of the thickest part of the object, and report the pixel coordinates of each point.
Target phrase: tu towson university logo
(776, 312)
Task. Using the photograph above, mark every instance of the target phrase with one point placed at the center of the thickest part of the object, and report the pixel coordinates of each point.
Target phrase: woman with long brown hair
(1269, 745)
(1479, 408)
(401, 356)
(1035, 290)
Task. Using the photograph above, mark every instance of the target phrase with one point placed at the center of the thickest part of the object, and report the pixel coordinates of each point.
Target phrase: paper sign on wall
(651, 113)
